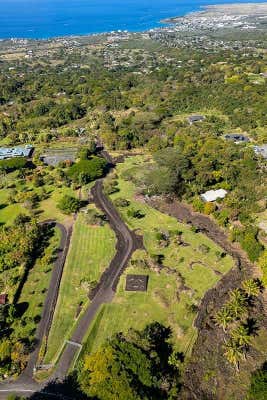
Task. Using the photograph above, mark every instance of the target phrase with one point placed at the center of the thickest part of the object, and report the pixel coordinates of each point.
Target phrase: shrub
(138, 214)
(248, 238)
(111, 187)
(92, 217)
(13, 164)
(203, 248)
(69, 204)
(198, 204)
(209, 208)
(120, 202)
(86, 171)
(258, 388)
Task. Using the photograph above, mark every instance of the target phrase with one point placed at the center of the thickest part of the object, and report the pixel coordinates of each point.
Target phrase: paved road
(25, 382)
(127, 243)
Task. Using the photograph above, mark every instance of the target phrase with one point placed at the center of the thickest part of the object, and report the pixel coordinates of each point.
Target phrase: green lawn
(9, 212)
(137, 309)
(48, 208)
(166, 300)
(34, 289)
(92, 248)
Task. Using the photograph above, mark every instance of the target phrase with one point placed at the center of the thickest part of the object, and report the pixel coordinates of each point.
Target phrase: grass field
(48, 208)
(137, 309)
(92, 248)
(166, 300)
(8, 212)
(34, 289)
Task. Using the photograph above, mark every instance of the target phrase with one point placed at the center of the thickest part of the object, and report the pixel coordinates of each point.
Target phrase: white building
(261, 150)
(212, 195)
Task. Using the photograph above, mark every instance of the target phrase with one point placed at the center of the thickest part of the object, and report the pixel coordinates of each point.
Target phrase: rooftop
(212, 195)
(3, 299)
(236, 137)
(12, 152)
(195, 118)
(261, 150)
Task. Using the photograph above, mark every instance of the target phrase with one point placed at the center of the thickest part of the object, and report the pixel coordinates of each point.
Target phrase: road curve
(127, 243)
(25, 383)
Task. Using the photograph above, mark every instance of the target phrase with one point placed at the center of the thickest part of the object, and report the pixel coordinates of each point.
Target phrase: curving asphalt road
(25, 383)
(127, 243)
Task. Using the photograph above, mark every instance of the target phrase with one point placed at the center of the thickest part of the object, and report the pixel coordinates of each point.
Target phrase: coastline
(200, 10)
(216, 10)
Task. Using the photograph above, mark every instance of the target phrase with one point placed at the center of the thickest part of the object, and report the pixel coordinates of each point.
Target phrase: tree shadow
(68, 389)
(46, 232)
(252, 326)
(21, 308)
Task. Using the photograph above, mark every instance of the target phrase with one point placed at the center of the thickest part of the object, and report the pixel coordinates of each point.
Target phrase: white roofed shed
(212, 195)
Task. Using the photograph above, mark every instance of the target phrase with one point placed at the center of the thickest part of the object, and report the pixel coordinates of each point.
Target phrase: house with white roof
(213, 195)
(261, 150)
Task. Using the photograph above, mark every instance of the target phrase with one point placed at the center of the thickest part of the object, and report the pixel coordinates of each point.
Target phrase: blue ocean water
(51, 18)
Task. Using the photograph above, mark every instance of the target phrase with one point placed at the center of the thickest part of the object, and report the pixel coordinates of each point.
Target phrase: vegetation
(86, 171)
(92, 248)
(258, 389)
(180, 263)
(197, 164)
(234, 317)
(139, 365)
(13, 164)
(26, 252)
(136, 97)
(69, 204)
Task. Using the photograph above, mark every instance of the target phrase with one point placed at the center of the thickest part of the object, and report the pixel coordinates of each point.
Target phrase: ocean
(51, 18)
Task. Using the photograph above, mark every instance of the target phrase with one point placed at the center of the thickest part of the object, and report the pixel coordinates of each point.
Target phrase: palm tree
(223, 317)
(233, 353)
(251, 287)
(241, 336)
(237, 303)
(237, 295)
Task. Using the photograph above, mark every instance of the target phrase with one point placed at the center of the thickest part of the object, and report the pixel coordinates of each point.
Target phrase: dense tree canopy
(133, 366)
(85, 171)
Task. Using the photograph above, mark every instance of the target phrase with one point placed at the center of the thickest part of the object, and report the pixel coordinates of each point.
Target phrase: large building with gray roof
(13, 152)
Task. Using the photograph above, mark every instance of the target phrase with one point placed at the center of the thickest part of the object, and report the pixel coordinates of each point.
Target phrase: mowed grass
(38, 280)
(92, 248)
(137, 309)
(166, 300)
(9, 212)
(48, 207)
